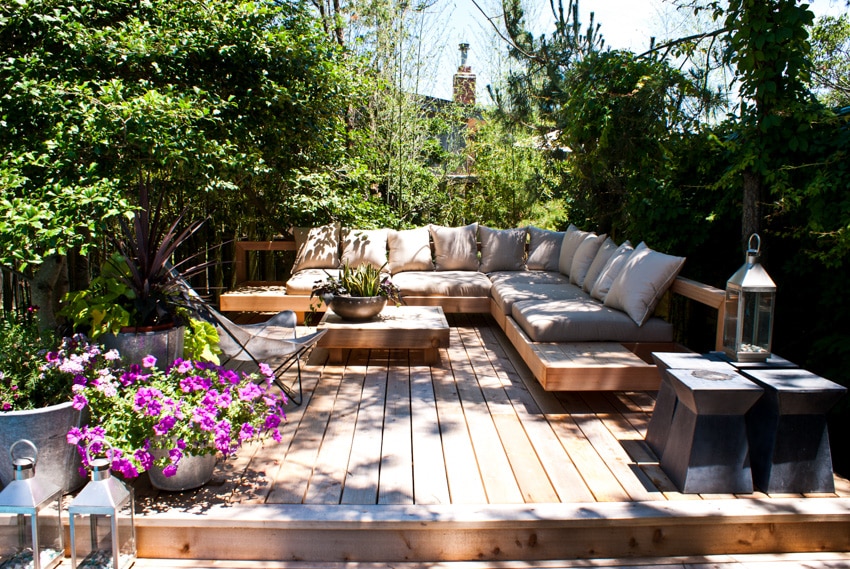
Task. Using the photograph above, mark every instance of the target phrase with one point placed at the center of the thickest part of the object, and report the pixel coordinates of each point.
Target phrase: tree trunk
(751, 215)
(48, 286)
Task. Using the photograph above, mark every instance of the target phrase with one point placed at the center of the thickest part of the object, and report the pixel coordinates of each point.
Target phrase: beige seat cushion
(316, 247)
(528, 277)
(455, 248)
(505, 295)
(585, 320)
(645, 277)
(410, 250)
(544, 249)
(502, 249)
(364, 247)
(302, 282)
(442, 283)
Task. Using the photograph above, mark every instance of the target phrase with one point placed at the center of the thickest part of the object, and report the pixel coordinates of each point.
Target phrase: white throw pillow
(583, 258)
(611, 271)
(317, 247)
(455, 248)
(364, 247)
(410, 250)
(645, 277)
(599, 261)
(502, 249)
(544, 249)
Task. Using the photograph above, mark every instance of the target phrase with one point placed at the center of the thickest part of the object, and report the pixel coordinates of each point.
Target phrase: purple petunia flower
(145, 459)
(164, 425)
(249, 392)
(148, 361)
(169, 471)
(80, 402)
(246, 432)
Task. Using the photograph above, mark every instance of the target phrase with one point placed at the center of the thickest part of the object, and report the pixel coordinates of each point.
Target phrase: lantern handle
(757, 249)
(34, 457)
(110, 453)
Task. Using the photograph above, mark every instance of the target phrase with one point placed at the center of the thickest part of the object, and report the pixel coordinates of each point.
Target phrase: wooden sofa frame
(558, 366)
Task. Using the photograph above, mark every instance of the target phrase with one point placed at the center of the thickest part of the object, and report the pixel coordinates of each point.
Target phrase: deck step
(783, 561)
(496, 534)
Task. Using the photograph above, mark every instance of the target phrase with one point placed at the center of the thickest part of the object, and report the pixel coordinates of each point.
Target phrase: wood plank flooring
(474, 428)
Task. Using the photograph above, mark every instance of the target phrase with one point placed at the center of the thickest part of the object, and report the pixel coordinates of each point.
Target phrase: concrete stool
(789, 442)
(666, 400)
(707, 449)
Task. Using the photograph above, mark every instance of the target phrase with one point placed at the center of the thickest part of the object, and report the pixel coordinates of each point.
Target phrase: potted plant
(35, 403)
(357, 294)
(135, 305)
(172, 422)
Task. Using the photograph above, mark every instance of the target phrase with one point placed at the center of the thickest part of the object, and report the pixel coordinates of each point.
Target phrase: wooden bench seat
(559, 366)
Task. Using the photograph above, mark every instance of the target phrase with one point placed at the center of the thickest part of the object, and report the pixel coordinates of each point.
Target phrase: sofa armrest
(708, 295)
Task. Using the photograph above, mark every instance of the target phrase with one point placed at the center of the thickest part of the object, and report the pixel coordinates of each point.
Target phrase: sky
(626, 24)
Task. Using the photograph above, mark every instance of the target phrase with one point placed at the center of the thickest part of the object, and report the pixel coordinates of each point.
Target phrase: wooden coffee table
(395, 328)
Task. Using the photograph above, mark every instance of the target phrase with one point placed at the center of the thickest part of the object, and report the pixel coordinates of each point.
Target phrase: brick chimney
(464, 80)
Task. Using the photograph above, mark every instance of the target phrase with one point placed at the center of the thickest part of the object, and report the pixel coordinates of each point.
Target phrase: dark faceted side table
(707, 449)
(789, 442)
(666, 401)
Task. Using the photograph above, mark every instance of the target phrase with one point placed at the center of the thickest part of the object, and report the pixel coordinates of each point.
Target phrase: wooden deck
(466, 459)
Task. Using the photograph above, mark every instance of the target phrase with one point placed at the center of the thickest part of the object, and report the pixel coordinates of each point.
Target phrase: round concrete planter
(47, 428)
(192, 472)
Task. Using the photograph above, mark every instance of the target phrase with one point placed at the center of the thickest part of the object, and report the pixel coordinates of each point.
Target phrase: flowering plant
(192, 407)
(23, 382)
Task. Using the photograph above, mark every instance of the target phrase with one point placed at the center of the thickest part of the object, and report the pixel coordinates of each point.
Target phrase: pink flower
(148, 361)
(80, 402)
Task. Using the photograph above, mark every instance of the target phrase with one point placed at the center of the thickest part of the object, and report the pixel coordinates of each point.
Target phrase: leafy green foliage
(200, 342)
(23, 347)
(831, 54)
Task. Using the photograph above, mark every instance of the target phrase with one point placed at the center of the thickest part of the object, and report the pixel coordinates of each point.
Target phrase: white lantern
(750, 299)
(103, 532)
(31, 534)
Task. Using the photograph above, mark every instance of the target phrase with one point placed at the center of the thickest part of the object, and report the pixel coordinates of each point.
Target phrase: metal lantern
(750, 299)
(30, 517)
(103, 532)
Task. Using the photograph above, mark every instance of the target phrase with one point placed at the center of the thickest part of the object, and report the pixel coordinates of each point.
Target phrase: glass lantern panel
(94, 544)
(756, 322)
(17, 539)
(730, 323)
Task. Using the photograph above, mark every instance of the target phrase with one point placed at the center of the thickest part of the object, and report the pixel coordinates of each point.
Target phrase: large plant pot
(47, 428)
(357, 307)
(164, 343)
(192, 472)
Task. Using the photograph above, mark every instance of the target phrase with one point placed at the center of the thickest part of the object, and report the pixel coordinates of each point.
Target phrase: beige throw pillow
(317, 247)
(410, 250)
(544, 249)
(455, 248)
(364, 247)
(645, 277)
(572, 240)
(599, 261)
(583, 258)
(611, 271)
(502, 249)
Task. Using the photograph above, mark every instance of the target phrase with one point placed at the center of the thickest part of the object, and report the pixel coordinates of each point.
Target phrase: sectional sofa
(578, 307)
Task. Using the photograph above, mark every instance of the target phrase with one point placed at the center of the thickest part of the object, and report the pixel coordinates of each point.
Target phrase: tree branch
(508, 40)
(671, 44)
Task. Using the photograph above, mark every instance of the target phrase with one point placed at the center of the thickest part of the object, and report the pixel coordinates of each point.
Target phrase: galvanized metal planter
(47, 428)
(165, 345)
